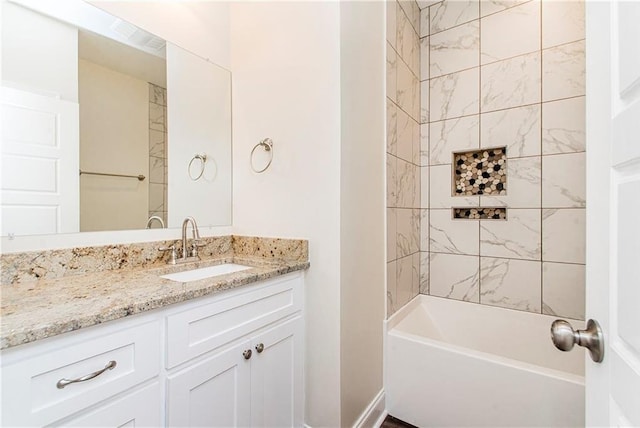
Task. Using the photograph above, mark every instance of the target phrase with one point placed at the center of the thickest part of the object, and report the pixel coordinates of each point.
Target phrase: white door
(213, 393)
(277, 376)
(40, 161)
(613, 209)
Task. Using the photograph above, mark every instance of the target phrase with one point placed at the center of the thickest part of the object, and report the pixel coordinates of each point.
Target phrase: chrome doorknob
(564, 337)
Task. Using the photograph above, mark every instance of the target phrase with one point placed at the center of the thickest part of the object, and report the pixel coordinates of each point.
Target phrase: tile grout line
(541, 163)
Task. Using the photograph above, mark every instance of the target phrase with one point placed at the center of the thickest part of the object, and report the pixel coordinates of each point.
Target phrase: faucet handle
(174, 254)
(195, 245)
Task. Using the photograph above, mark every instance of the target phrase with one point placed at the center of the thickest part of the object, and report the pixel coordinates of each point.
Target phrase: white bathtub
(452, 363)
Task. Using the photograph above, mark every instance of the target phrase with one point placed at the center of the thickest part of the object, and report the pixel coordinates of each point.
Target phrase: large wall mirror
(107, 127)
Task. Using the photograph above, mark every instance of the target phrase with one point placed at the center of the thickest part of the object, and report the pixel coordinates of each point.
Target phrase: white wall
(114, 138)
(39, 43)
(199, 122)
(286, 86)
(362, 205)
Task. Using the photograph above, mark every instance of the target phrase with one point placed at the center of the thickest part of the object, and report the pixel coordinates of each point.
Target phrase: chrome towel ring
(203, 160)
(267, 145)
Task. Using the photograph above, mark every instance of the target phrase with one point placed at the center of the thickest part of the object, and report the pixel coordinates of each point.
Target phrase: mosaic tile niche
(480, 172)
(487, 213)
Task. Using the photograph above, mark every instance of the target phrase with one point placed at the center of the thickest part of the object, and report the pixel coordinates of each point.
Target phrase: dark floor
(391, 422)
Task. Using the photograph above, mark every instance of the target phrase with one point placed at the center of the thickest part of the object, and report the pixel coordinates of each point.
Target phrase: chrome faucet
(193, 252)
(156, 218)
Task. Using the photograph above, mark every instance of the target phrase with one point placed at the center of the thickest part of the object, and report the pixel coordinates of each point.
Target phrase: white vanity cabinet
(183, 365)
(253, 363)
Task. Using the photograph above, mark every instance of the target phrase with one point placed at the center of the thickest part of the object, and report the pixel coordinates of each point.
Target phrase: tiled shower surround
(404, 154)
(510, 74)
(157, 153)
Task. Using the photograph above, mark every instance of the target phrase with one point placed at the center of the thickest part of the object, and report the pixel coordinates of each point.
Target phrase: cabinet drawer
(30, 392)
(203, 328)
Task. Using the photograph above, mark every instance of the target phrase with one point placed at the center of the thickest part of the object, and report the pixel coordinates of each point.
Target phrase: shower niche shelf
(479, 213)
(480, 172)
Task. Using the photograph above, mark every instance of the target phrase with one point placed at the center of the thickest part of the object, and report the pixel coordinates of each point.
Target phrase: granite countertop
(48, 307)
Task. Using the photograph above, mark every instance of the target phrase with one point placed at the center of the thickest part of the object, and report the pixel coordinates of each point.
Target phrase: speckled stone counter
(33, 309)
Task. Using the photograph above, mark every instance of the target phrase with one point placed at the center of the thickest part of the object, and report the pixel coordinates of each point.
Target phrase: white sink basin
(202, 273)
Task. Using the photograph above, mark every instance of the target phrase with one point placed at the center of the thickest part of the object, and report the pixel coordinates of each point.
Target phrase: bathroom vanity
(220, 351)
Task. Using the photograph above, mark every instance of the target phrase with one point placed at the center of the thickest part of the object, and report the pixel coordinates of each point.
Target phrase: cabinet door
(139, 409)
(277, 376)
(213, 393)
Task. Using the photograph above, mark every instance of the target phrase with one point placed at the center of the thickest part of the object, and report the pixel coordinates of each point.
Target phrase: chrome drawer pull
(64, 382)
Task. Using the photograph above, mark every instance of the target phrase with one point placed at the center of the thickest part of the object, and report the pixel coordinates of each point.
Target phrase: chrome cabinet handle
(247, 354)
(64, 382)
(564, 337)
(260, 347)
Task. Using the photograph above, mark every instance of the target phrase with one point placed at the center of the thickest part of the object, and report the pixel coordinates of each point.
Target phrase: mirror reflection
(107, 127)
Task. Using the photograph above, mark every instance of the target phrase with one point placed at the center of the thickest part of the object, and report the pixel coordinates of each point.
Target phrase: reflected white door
(40, 175)
(613, 209)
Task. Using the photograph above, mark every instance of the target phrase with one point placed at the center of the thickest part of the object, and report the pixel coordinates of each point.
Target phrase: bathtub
(452, 363)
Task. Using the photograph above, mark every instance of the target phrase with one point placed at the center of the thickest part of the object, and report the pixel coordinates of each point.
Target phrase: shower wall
(502, 74)
(404, 154)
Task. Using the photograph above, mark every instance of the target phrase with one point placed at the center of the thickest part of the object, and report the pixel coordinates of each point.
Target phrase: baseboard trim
(374, 414)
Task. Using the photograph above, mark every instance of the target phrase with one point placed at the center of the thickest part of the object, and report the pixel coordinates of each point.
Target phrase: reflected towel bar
(139, 177)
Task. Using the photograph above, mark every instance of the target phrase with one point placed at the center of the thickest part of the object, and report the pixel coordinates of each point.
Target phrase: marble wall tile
(404, 280)
(392, 181)
(424, 102)
(424, 273)
(563, 235)
(518, 128)
(415, 275)
(511, 83)
(524, 177)
(406, 179)
(156, 170)
(408, 231)
(408, 91)
(440, 190)
(518, 237)
(422, 4)
(424, 58)
(563, 126)
(392, 12)
(447, 14)
(424, 22)
(513, 284)
(417, 143)
(391, 73)
(157, 95)
(512, 32)
(156, 198)
(455, 49)
(392, 292)
(454, 95)
(563, 71)
(392, 128)
(405, 129)
(453, 135)
(454, 276)
(407, 42)
(157, 117)
(424, 144)
(562, 22)
(424, 229)
(453, 236)
(418, 187)
(424, 187)
(392, 239)
(488, 7)
(412, 11)
(157, 143)
(563, 181)
(563, 290)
